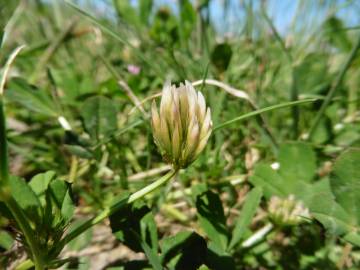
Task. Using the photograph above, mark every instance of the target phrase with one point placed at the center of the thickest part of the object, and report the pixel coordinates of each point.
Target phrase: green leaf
(248, 211)
(149, 231)
(297, 170)
(178, 251)
(79, 151)
(297, 162)
(30, 97)
(67, 207)
(6, 240)
(135, 226)
(60, 193)
(133, 219)
(83, 240)
(218, 259)
(149, 252)
(345, 183)
(40, 182)
(26, 198)
(270, 181)
(342, 215)
(333, 217)
(353, 238)
(339, 211)
(212, 219)
(58, 190)
(99, 114)
(168, 244)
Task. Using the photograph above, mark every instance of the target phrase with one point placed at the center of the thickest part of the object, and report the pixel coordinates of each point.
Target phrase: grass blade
(260, 111)
(248, 211)
(4, 166)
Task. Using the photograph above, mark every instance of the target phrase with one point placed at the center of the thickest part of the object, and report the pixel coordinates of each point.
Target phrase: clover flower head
(287, 211)
(182, 126)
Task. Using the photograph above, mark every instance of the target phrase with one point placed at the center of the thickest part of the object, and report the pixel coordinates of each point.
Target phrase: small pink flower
(133, 69)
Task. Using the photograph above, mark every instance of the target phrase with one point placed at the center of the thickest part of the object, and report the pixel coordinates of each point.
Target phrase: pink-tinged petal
(133, 69)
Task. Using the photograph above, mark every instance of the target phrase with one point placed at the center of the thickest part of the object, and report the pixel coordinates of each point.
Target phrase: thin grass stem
(260, 111)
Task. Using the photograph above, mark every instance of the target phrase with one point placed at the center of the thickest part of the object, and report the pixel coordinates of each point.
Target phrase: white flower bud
(183, 126)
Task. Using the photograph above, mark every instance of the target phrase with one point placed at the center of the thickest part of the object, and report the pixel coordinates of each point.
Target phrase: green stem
(333, 89)
(260, 111)
(116, 206)
(4, 171)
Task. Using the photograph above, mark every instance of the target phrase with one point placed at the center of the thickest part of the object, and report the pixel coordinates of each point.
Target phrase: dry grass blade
(132, 97)
(7, 67)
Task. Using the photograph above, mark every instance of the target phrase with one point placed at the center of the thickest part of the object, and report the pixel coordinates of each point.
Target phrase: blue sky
(281, 11)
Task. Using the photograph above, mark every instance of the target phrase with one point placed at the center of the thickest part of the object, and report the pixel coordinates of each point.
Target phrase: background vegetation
(72, 110)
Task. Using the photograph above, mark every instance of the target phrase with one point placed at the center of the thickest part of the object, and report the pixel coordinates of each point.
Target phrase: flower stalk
(117, 206)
